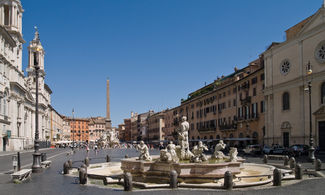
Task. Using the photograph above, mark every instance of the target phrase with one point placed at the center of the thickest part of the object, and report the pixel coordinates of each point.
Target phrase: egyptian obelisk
(108, 122)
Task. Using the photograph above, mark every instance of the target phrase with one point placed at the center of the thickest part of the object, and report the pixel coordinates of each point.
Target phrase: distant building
(139, 125)
(127, 126)
(156, 124)
(121, 132)
(97, 128)
(56, 125)
(79, 129)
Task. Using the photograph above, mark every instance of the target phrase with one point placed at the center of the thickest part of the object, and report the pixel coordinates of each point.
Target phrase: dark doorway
(285, 139)
(321, 133)
(4, 143)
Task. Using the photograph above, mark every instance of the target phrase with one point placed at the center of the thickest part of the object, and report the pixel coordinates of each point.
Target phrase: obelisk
(108, 122)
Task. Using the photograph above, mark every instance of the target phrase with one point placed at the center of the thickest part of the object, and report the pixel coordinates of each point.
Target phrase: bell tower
(36, 53)
(11, 14)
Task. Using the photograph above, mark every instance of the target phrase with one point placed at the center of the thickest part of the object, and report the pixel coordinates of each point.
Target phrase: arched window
(218, 137)
(322, 98)
(198, 137)
(205, 138)
(285, 101)
(211, 137)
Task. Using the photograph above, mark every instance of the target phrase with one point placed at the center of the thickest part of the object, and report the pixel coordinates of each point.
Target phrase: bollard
(277, 176)
(228, 181)
(292, 162)
(84, 166)
(173, 179)
(43, 157)
(126, 156)
(65, 168)
(82, 176)
(286, 161)
(298, 171)
(70, 163)
(265, 159)
(18, 163)
(318, 165)
(87, 161)
(108, 159)
(128, 182)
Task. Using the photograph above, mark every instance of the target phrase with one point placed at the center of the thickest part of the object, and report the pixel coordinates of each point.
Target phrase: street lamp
(36, 167)
(311, 149)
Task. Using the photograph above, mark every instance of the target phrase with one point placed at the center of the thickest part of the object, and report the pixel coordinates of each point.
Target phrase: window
(323, 93)
(285, 101)
(285, 67)
(7, 15)
(234, 102)
(262, 77)
(254, 80)
(254, 91)
(262, 107)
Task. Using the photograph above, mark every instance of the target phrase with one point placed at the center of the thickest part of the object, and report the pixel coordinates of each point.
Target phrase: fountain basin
(144, 170)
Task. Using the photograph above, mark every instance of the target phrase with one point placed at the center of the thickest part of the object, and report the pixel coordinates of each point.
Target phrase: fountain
(190, 165)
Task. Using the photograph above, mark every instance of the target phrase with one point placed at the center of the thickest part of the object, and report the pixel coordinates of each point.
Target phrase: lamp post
(311, 149)
(36, 167)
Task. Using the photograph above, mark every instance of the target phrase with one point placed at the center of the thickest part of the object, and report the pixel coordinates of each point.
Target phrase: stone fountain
(190, 165)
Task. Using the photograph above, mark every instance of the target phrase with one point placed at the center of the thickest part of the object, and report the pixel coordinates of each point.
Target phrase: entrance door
(4, 143)
(285, 139)
(321, 133)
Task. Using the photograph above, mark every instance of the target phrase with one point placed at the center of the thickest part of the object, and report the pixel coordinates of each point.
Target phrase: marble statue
(169, 154)
(112, 139)
(233, 154)
(198, 155)
(144, 151)
(184, 153)
(218, 154)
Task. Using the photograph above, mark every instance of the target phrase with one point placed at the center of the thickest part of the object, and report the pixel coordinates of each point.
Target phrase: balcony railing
(231, 126)
(207, 129)
(246, 100)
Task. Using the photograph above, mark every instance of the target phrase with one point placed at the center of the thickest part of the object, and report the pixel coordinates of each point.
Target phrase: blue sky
(155, 52)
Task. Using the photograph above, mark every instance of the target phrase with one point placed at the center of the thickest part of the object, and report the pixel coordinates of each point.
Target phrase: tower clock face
(320, 52)
(285, 67)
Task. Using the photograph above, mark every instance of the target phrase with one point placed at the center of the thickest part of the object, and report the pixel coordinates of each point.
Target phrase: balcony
(249, 117)
(5, 119)
(207, 129)
(232, 126)
(246, 100)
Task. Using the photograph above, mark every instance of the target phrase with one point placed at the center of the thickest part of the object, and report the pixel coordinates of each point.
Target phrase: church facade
(290, 67)
(17, 90)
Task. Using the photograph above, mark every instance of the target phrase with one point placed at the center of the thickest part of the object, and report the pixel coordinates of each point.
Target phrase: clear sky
(154, 52)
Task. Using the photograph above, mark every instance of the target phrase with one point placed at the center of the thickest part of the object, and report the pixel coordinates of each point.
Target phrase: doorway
(321, 133)
(4, 143)
(285, 139)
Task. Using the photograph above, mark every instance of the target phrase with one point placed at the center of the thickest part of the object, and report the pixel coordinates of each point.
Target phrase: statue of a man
(233, 154)
(218, 154)
(144, 152)
(184, 153)
(183, 133)
(197, 151)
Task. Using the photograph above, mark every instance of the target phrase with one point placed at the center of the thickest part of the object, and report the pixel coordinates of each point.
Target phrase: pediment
(320, 111)
(318, 19)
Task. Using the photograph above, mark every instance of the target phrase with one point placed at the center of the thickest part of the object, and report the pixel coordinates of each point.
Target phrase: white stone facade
(286, 73)
(17, 92)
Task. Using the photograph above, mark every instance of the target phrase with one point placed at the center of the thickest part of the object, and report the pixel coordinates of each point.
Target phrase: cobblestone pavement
(51, 181)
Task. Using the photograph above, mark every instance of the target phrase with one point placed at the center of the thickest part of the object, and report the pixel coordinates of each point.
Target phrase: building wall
(79, 130)
(299, 49)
